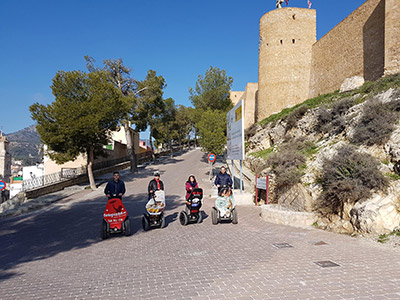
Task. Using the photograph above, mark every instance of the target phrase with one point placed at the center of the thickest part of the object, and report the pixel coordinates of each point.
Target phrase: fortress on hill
(294, 66)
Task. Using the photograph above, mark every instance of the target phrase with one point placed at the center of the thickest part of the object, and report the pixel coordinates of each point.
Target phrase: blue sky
(179, 39)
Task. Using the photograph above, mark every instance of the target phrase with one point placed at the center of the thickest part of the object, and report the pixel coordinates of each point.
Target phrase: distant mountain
(25, 145)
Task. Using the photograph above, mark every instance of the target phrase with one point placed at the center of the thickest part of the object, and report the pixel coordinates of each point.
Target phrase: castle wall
(392, 37)
(355, 47)
(249, 97)
(250, 100)
(236, 96)
(286, 39)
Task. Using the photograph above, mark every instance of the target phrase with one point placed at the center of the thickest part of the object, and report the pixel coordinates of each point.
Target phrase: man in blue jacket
(222, 179)
(115, 188)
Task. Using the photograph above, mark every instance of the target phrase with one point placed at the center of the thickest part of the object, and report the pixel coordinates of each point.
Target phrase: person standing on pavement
(115, 188)
(223, 179)
(155, 184)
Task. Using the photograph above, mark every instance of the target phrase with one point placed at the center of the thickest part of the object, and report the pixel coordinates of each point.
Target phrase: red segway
(115, 219)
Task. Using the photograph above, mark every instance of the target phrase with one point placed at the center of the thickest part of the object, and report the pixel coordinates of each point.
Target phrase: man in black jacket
(155, 184)
(115, 188)
(222, 179)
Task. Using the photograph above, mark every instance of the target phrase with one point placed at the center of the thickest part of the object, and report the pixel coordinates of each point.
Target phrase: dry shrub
(295, 116)
(251, 131)
(376, 123)
(349, 177)
(286, 165)
(333, 120)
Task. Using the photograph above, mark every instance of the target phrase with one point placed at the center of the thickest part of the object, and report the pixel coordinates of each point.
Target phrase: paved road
(57, 253)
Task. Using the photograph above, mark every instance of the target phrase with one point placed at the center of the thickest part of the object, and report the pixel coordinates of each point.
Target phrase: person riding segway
(154, 216)
(115, 216)
(223, 179)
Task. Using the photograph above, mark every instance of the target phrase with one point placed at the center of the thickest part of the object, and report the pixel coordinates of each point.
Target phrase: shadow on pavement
(171, 218)
(63, 227)
(70, 225)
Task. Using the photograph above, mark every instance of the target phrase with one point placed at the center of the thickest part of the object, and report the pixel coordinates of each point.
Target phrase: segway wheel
(127, 225)
(104, 233)
(145, 223)
(200, 218)
(183, 218)
(214, 216)
(234, 217)
(163, 224)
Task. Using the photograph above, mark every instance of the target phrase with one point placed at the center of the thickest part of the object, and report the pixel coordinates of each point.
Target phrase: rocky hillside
(25, 145)
(337, 155)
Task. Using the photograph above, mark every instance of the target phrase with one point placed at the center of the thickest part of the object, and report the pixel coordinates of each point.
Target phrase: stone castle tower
(286, 39)
(294, 66)
(5, 159)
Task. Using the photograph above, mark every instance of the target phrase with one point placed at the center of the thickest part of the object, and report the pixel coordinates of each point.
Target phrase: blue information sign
(2, 185)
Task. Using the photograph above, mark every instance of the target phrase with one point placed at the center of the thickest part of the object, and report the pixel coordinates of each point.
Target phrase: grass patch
(310, 103)
(368, 88)
(263, 153)
(310, 149)
(385, 162)
(380, 85)
(393, 176)
(383, 238)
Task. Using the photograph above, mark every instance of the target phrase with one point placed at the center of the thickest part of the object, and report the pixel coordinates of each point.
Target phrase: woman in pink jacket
(191, 183)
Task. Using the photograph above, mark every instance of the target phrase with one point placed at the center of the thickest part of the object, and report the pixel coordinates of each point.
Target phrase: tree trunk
(153, 157)
(130, 148)
(195, 139)
(90, 155)
(169, 142)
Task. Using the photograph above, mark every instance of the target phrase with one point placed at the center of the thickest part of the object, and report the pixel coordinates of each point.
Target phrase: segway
(192, 213)
(115, 219)
(154, 216)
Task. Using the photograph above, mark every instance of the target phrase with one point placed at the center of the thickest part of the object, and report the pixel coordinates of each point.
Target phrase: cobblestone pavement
(57, 253)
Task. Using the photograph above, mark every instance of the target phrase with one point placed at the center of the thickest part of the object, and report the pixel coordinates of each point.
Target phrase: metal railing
(69, 173)
(48, 179)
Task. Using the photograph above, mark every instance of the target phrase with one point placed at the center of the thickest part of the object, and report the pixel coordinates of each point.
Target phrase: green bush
(349, 177)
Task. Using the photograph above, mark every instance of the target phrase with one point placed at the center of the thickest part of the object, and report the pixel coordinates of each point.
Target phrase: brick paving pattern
(57, 253)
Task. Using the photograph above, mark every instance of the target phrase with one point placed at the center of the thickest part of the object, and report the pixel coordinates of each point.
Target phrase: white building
(32, 172)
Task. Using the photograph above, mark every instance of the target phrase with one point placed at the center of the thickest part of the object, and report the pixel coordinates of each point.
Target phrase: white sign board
(261, 183)
(235, 132)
